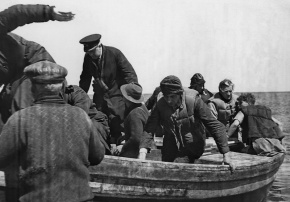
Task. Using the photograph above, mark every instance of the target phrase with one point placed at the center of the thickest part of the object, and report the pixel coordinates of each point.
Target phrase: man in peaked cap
(136, 115)
(197, 83)
(182, 116)
(109, 69)
(52, 142)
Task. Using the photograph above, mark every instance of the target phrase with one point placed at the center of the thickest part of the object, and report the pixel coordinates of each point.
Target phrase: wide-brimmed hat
(132, 92)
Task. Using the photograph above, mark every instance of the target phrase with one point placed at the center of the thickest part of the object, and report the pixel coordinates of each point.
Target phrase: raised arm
(19, 15)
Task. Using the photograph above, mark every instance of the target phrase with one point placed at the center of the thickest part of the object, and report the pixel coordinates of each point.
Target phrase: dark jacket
(114, 70)
(134, 125)
(258, 123)
(53, 144)
(16, 52)
(183, 127)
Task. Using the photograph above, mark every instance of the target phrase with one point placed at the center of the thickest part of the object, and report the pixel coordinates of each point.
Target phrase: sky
(243, 40)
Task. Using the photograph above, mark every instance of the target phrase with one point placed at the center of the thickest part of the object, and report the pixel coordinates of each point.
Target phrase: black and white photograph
(144, 100)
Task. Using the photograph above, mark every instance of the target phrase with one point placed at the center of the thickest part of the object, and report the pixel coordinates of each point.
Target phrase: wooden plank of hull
(259, 195)
(124, 179)
(131, 178)
(147, 190)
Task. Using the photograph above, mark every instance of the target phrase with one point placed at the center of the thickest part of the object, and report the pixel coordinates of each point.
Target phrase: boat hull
(259, 195)
(123, 179)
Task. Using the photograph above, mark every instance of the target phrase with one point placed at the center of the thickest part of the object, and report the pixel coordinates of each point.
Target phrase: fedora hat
(132, 92)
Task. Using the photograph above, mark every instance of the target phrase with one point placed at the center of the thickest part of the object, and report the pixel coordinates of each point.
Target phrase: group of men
(53, 131)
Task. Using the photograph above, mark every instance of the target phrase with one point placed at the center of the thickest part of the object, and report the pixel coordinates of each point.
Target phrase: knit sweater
(53, 143)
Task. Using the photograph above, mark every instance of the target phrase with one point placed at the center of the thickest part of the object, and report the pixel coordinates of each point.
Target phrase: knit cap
(171, 85)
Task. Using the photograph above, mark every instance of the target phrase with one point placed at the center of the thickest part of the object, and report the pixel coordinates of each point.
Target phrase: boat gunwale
(146, 170)
(188, 166)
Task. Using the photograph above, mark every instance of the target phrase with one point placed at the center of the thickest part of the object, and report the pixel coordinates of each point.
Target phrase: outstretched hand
(62, 16)
(227, 161)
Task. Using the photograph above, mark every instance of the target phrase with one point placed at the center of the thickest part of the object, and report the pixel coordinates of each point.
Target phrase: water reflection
(280, 191)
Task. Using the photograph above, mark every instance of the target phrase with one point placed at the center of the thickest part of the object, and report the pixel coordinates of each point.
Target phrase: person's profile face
(199, 88)
(96, 52)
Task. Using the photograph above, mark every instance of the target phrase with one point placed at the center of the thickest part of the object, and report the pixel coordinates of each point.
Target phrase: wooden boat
(126, 179)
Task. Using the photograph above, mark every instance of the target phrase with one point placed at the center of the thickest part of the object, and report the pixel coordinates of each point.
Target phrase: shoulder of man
(190, 92)
(111, 49)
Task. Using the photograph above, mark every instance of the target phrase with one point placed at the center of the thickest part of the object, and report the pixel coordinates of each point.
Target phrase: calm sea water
(280, 105)
(279, 102)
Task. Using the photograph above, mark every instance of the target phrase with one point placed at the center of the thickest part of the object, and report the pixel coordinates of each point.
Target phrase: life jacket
(190, 128)
(258, 123)
(225, 110)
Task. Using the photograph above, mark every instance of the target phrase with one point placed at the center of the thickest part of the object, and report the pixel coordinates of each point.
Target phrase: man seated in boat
(52, 142)
(136, 115)
(182, 114)
(260, 131)
(197, 83)
(222, 104)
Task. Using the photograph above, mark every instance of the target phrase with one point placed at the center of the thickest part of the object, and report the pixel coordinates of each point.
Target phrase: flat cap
(90, 41)
(45, 72)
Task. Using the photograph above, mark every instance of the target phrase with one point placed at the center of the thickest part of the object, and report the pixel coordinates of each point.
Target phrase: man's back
(53, 145)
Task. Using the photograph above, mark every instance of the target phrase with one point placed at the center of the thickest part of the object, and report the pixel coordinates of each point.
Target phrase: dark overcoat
(114, 70)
